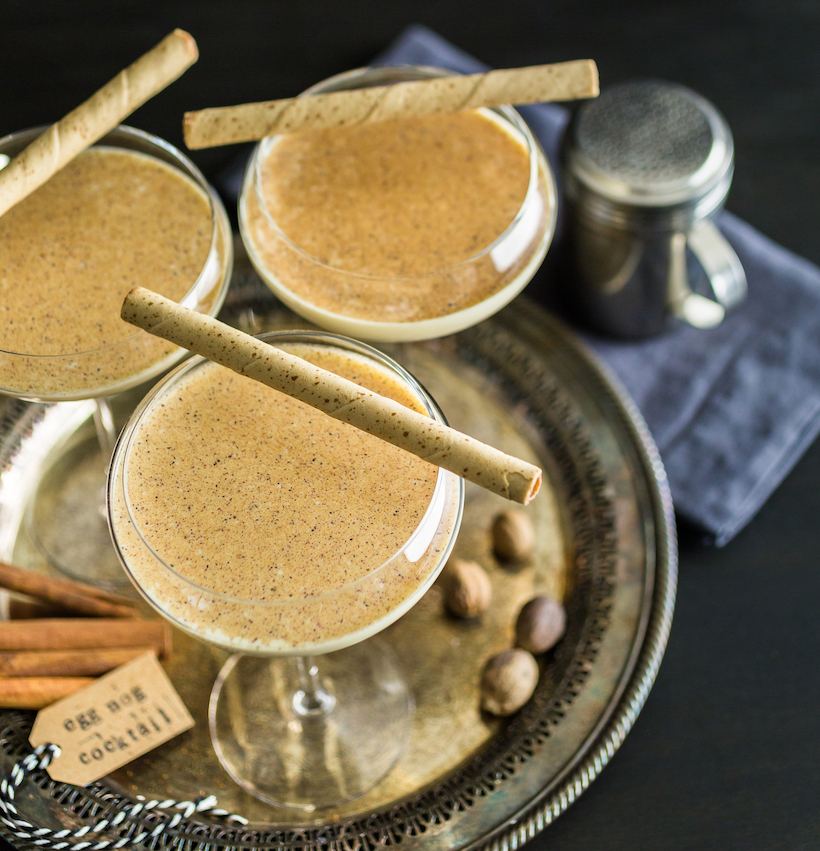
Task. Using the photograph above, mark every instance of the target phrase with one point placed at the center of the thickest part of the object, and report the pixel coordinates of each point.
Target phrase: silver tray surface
(606, 543)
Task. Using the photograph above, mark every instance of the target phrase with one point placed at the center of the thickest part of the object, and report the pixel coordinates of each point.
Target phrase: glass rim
(128, 434)
(193, 173)
(506, 113)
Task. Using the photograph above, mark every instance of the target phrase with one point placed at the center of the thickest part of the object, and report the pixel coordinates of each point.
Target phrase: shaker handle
(722, 267)
(720, 262)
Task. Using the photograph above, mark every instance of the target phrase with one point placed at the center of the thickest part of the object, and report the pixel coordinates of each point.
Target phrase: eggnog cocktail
(264, 526)
(403, 229)
(129, 210)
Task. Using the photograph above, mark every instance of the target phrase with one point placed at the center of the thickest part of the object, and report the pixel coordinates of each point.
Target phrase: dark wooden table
(725, 754)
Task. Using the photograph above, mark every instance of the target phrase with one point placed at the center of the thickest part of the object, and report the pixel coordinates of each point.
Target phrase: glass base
(66, 518)
(311, 733)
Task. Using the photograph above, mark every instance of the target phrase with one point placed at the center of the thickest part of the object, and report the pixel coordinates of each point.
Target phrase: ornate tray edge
(555, 800)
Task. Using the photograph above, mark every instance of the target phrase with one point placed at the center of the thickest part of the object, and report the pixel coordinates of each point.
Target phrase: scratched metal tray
(606, 543)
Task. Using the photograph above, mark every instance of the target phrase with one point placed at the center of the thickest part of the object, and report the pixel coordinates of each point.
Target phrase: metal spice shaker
(646, 167)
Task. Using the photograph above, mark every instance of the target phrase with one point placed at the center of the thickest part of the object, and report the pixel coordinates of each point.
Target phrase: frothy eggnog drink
(111, 219)
(278, 529)
(399, 230)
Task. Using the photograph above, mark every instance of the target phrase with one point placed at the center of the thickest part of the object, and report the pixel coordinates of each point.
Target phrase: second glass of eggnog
(399, 230)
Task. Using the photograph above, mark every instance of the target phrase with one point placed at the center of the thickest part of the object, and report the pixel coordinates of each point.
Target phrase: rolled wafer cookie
(336, 396)
(248, 122)
(92, 119)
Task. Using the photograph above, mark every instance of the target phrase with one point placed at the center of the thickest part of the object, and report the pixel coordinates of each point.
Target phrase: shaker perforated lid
(650, 144)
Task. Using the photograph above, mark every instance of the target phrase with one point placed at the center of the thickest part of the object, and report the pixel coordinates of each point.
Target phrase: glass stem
(104, 425)
(311, 698)
(107, 438)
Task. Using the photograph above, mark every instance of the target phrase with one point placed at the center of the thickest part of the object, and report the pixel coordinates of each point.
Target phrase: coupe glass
(503, 267)
(66, 514)
(308, 713)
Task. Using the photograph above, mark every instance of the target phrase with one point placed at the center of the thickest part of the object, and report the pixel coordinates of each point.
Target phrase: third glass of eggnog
(130, 210)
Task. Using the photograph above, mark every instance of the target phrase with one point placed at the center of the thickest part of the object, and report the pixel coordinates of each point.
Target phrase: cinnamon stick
(13, 607)
(21, 608)
(251, 121)
(337, 397)
(38, 692)
(65, 663)
(91, 120)
(85, 633)
(66, 593)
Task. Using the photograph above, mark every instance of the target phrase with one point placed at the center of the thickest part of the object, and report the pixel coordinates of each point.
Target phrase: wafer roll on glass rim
(95, 117)
(560, 81)
(337, 397)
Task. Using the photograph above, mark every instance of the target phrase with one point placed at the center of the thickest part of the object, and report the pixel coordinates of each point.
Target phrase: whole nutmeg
(466, 586)
(508, 681)
(513, 536)
(541, 622)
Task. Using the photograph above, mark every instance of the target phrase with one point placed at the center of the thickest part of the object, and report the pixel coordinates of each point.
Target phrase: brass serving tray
(606, 544)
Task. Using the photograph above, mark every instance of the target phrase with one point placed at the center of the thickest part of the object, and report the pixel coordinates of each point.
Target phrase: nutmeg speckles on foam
(252, 494)
(388, 201)
(110, 220)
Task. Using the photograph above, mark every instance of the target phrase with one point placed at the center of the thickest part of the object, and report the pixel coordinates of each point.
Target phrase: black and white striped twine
(61, 839)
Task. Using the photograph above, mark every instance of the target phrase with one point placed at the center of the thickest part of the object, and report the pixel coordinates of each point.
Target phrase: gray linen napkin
(731, 409)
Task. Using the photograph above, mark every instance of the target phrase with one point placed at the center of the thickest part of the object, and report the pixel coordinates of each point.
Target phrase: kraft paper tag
(120, 716)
